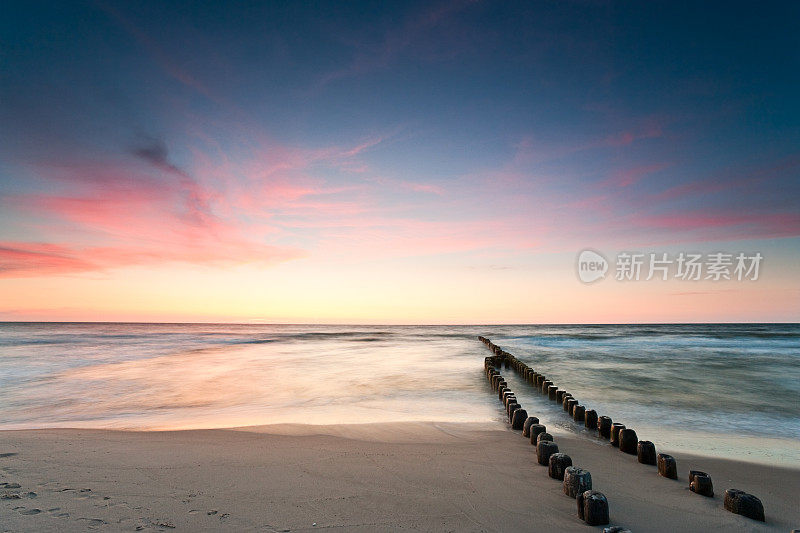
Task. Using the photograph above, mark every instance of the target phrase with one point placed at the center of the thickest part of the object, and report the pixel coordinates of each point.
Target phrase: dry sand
(374, 477)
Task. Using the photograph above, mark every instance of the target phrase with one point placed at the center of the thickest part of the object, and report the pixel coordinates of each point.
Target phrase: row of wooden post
(621, 437)
(576, 482)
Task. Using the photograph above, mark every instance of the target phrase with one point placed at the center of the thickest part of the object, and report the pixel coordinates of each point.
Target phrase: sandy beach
(370, 477)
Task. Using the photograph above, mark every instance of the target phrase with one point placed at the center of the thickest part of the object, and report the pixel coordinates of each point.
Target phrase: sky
(396, 162)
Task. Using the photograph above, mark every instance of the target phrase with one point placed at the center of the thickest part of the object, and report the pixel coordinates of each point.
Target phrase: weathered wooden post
(501, 389)
(518, 420)
(615, 429)
(667, 467)
(565, 401)
(700, 483)
(646, 452)
(506, 395)
(628, 441)
(590, 419)
(740, 502)
(526, 428)
(551, 392)
(604, 427)
(570, 403)
(535, 430)
(558, 464)
(593, 508)
(576, 481)
(544, 449)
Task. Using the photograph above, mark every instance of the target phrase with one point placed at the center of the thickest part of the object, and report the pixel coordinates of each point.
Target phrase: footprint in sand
(94, 522)
(55, 512)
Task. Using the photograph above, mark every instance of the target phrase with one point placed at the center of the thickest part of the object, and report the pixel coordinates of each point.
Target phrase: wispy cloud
(731, 179)
(122, 215)
(630, 176)
(398, 39)
(164, 61)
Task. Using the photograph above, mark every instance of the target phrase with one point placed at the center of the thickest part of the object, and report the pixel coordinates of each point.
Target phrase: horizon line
(390, 324)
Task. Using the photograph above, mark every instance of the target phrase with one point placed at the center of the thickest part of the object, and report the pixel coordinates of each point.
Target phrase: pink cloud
(649, 129)
(23, 259)
(226, 209)
(732, 178)
(118, 217)
(426, 187)
(269, 176)
(390, 184)
(630, 176)
(366, 145)
(240, 205)
(737, 225)
(530, 150)
(595, 203)
(26, 259)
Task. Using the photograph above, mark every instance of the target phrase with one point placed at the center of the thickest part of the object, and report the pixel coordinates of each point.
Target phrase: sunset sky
(430, 162)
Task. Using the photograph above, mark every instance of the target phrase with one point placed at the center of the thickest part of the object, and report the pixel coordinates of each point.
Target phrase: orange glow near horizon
(302, 292)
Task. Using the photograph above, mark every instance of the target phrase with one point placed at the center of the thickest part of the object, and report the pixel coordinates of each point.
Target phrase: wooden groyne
(592, 505)
(577, 482)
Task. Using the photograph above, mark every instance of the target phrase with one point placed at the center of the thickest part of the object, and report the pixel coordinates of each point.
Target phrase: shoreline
(762, 451)
(766, 450)
(363, 477)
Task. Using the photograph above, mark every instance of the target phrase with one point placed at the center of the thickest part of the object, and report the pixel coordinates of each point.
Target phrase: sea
(730, 390)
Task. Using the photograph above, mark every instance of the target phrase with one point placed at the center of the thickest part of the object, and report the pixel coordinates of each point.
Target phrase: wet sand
(371, 477)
